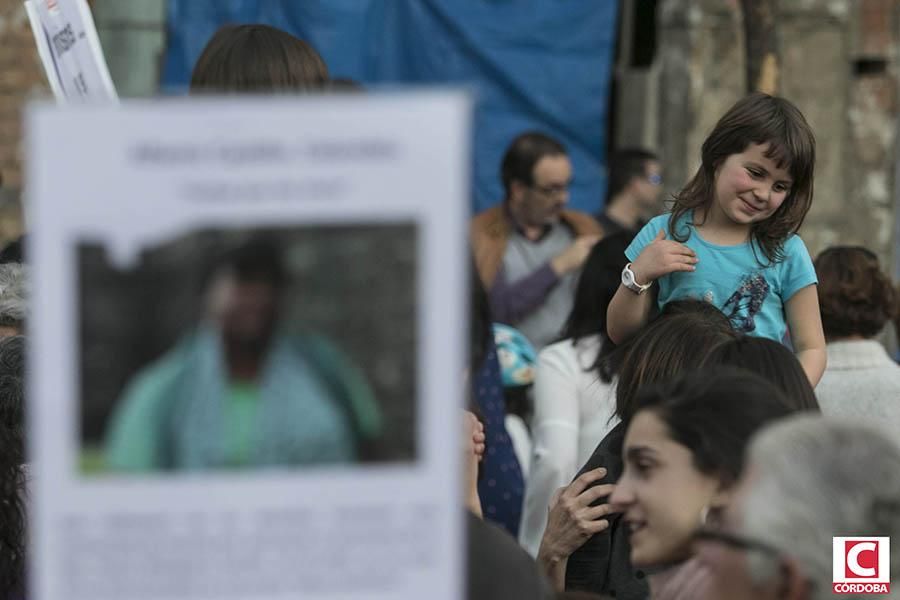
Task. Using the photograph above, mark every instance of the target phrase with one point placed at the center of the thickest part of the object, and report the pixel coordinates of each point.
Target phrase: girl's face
(661, 495)
(750, 187)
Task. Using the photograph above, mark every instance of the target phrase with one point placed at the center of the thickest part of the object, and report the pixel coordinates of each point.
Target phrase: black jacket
(498, 568)
(603, 564)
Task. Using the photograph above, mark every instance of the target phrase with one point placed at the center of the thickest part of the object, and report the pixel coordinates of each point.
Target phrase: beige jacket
(490, 230)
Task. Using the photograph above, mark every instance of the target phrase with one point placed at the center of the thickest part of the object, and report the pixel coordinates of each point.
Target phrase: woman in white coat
(574, 396)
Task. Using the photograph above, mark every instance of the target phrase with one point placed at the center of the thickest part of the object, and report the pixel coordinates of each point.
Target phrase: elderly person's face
(741, 568)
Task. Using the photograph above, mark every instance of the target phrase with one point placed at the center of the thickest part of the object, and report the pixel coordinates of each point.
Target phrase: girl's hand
(661, 257)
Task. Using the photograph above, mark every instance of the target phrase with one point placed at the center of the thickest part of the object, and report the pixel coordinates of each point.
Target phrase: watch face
(627, 277)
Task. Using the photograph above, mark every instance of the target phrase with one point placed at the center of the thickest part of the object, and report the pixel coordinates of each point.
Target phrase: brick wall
(21, 79)
(840, 65)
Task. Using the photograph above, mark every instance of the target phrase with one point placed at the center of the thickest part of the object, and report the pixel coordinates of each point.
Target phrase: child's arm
(628, 311)
(807, 337)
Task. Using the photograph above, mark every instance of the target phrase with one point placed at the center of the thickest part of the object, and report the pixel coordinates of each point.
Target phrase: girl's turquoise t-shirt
(750, 291)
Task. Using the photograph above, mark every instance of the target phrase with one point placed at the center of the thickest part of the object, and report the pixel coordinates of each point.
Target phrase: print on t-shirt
(746, 301)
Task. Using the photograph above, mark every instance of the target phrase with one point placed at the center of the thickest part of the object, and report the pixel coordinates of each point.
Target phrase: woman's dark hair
(773, 362)
(257, 59)
(600, 278)
(523, 154)
(12, 374)
(756, 119)
(677, 341)
(12, 471)
(714, 413)
(855, 295)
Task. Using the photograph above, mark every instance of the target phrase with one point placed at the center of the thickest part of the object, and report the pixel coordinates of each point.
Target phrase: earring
(704, 516)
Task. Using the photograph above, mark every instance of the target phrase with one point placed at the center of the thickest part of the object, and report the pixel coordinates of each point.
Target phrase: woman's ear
(723, 496)
(718, 503)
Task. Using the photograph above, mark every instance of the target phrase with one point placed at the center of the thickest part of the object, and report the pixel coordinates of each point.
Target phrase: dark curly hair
(12, 470)
(756, 119)
(855, 296)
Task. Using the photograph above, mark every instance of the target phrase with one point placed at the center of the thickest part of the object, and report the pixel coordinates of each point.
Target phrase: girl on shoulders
(731, 236)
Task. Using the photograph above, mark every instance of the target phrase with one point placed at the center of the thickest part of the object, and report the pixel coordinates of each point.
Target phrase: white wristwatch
(629, 281)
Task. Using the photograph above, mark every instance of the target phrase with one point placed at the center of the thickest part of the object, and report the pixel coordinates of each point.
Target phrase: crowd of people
(689, 405)
(677, 343)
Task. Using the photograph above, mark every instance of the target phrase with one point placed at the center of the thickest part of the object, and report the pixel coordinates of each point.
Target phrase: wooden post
(761, 40)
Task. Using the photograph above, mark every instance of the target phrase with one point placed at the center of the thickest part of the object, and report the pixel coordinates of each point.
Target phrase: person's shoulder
(559, 355)
(652, 227)
(157, 384)
(168, 368)
(794, 245)
(582, 223)
(498, 567)
(489, 220)
(609, 226)
(795, 258)
(608, 453)
(561, 347)
(315, 346)
(658, 222)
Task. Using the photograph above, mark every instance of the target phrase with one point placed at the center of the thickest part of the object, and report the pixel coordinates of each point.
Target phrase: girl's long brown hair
(756, 119)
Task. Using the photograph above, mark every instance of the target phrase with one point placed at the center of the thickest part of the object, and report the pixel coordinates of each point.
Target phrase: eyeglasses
(745, 544)
(551, 190)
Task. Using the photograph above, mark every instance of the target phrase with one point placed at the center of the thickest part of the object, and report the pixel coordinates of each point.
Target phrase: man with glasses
(808, 479)
(633, 191)
(529, 248)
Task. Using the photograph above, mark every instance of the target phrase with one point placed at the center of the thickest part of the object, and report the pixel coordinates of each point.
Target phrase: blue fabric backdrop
(534, 64)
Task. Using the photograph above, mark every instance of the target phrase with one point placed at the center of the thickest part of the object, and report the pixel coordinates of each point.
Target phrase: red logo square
(861, 559)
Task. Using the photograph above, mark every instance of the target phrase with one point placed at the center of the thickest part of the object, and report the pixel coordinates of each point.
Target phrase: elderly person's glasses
(744, 543)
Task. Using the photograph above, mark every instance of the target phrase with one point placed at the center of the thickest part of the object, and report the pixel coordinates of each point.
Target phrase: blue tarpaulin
(534, 64)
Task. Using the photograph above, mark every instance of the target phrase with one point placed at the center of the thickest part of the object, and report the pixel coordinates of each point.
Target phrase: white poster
(248, 347)
(70, 50)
